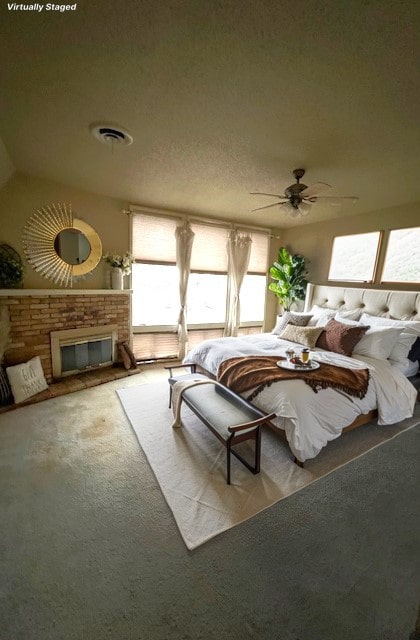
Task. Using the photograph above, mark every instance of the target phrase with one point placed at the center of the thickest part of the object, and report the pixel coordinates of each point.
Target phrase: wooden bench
(228, 416)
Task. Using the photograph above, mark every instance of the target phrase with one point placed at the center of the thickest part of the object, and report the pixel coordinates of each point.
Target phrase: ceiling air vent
(111, 135)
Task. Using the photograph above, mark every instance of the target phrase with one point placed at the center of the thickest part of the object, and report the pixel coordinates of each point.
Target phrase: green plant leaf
(288, 273)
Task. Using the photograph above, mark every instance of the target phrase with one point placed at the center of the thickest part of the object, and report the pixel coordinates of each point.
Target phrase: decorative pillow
(5, 390)
(26, 380)
(320, 316)
(339, 337)
(306, 336)
(290, 317)
(410, 330)
(378, 342)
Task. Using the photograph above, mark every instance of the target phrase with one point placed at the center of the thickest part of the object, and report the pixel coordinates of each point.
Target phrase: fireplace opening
(86, 355)
(76, 350)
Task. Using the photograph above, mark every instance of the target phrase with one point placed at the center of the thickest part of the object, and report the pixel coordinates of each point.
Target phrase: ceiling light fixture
(298, 199)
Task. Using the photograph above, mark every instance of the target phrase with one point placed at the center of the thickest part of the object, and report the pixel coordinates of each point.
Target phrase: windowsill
(194, 327)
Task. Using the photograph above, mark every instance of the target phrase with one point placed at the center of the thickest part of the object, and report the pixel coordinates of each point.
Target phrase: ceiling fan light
(294, 213)
(289, 209)
(304, 208)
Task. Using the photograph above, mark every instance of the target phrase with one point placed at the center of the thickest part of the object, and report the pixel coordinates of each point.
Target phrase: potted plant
(11, 272)
(121, 266)
(288, 273)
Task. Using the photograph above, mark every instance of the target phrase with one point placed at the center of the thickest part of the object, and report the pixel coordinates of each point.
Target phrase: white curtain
(239, 251)
(184, 241)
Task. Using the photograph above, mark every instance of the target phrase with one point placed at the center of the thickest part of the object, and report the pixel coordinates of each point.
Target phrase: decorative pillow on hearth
(306, 336)
(5, 390)
(27, 379)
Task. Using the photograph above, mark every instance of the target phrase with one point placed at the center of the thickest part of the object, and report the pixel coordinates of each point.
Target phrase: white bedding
(311, 419)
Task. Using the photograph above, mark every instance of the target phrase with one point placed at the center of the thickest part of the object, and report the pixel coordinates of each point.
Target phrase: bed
(308, 419)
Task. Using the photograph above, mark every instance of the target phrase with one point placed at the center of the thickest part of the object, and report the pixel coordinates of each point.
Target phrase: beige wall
(314, 241)
(22, 195)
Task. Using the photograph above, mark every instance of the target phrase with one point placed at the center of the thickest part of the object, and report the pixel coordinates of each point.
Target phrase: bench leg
(257, 454)
(298, 462)
(257, 450)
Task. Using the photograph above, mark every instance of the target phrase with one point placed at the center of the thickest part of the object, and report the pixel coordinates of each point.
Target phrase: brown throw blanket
(244, 373)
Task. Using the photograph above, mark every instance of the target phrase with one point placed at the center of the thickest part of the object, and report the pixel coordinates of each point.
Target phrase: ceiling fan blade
(334, 200)
(267, 206)
(314, 189)
(272, 195)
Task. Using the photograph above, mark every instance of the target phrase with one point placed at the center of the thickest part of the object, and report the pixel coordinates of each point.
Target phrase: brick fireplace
(34, 314)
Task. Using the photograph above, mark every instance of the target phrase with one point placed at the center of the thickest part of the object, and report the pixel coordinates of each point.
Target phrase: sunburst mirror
(59, 246)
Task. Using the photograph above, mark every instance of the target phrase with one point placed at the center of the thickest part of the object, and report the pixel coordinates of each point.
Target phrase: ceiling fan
(298, 199)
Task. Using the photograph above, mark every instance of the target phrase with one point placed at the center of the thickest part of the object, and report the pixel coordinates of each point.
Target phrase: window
(402, 260)
(354, 257)
(155, 294)
(155, 300)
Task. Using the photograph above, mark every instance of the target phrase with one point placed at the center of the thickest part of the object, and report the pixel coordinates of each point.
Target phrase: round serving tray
(311, 366)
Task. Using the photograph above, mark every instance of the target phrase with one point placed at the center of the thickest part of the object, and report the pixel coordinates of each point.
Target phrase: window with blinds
(155, 301)
(153, 238)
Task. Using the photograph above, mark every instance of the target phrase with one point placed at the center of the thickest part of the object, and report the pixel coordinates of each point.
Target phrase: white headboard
(401, 305)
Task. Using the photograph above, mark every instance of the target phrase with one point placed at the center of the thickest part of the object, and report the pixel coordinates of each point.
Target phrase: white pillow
(409, 370)
(351, 314)
(377, 342)
(344, 320)
(320, 316)
(410, 330)
(27, 379)
(410, 326)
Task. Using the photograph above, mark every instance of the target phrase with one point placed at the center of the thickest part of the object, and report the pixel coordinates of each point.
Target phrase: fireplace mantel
(64, 292)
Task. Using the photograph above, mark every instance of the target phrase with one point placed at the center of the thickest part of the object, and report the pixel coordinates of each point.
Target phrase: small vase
(117, 278)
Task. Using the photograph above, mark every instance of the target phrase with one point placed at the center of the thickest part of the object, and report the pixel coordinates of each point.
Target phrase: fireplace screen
(86, 355)
(74, 350)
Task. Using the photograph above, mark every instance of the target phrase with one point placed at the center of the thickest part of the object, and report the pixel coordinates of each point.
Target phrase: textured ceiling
(221, 97)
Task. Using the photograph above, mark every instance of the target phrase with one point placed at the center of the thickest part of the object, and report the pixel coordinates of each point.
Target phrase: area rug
(190, 464)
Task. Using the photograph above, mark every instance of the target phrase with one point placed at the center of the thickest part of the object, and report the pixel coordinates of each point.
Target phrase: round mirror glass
(72, 246)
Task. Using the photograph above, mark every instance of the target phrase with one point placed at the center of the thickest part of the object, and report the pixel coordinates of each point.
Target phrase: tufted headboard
(401, 305)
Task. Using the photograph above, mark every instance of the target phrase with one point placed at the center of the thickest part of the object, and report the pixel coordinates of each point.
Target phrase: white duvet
(311, 419)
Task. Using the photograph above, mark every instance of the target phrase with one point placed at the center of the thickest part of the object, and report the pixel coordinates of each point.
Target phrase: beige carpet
(189, 464)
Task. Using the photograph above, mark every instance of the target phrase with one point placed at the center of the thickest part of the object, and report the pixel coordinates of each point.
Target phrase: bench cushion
(220, 408)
